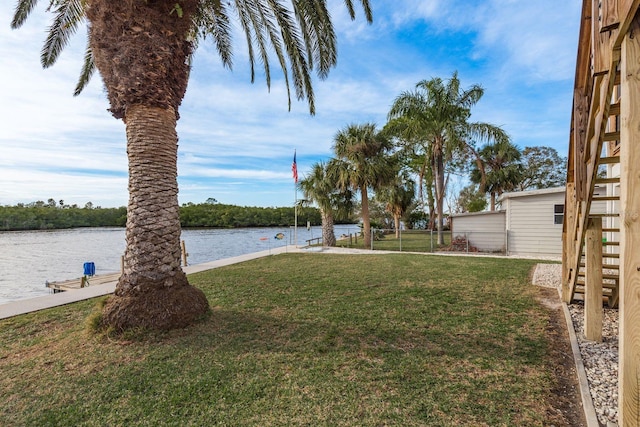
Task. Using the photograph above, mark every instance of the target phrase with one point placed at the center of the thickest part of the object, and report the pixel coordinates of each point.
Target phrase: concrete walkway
(17, 308)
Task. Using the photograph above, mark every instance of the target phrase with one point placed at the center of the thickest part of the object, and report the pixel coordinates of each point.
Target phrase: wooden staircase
(606, 102)
(610, 242)
(590, 202)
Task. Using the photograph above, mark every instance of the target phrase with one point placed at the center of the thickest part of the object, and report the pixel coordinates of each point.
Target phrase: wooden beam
(583, 60)
(580, 125)
(609, 160)
(593, 281)
(600, 41)
(629, 333)
(568, 243)
(626, 11)
(611, 136)
(609, 18)
(614, 110)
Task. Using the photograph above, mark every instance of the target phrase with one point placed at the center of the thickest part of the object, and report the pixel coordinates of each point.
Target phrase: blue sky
(237, 139)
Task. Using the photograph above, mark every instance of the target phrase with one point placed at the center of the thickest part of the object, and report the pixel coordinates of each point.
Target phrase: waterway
(30, 258)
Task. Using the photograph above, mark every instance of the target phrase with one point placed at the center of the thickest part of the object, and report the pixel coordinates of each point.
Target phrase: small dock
(82, 282)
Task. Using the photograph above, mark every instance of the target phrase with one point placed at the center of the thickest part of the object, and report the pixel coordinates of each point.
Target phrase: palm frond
(213, 19)
(69, 14)
(365, 6)
(245, 22)
(88, 68)
(256, 17)
(320, 38)
(23, 9)
(293, 43)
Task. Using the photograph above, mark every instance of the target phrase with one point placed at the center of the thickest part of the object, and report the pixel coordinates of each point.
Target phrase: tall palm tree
(363, 163)
(437, 114)
(398, 196)
(501, 169)
(415, 152)
(321, 188)
(142, 49)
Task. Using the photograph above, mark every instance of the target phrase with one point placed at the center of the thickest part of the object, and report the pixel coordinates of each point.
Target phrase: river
(30, 258)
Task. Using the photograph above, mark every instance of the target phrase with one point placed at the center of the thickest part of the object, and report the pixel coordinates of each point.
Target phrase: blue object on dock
(89, 269)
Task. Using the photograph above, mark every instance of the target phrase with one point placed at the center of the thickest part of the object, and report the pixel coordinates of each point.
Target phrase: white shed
(484, 231)
(533, 221)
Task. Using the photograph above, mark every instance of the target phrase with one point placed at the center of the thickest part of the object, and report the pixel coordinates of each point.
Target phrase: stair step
(606, 287)
(607, 180)
(605, 198)
(609, 160)
(604, 276)
(611, 243)
(610, 230)
(605, 215)
(605, 292)
(604, 266)
(614, 109)
(611, 136)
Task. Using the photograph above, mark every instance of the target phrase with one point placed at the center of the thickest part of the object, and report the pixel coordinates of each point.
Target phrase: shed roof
(458, 215)
(532, 193)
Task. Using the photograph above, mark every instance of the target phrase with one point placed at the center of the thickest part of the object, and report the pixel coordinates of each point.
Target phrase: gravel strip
(600, 359)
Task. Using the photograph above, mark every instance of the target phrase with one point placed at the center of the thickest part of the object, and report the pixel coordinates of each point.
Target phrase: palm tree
(437, 115)
(398, 196)
(321, 188)
(142, 50)
(362, 163)
(501, 169)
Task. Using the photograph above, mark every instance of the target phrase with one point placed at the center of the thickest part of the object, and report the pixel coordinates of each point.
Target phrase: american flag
(294, 168)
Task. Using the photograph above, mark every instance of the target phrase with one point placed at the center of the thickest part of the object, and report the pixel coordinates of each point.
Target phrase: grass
(301, 340)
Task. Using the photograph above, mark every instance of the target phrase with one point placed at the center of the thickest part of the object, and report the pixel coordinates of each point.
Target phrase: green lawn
(301, 340)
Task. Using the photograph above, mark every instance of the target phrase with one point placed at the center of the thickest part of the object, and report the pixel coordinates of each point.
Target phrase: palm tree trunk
(153, 291)
(328, 233)
(432, 208)
(439, 179)
(366, 222)
(493, 201)
(429, 190)
(396, 221)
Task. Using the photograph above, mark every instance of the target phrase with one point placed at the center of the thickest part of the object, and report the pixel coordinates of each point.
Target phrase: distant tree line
(48, 216)
(52, 215)
(218, 215)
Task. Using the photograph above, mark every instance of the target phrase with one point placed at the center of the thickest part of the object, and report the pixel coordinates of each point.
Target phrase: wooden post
(593, 281)
(184, 254)
(629, 347)
(568, 251)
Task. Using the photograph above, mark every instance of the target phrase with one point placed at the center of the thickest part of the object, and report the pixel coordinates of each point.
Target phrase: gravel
(600, 359)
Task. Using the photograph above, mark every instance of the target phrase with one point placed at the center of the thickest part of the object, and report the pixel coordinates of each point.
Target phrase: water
(29, 258)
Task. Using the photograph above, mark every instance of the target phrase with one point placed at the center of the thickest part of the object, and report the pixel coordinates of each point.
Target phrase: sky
(237, 139)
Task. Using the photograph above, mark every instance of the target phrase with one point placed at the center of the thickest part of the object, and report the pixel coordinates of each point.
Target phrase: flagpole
(294, 169)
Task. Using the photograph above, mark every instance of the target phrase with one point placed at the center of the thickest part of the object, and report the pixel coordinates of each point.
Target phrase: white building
(529, 224)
